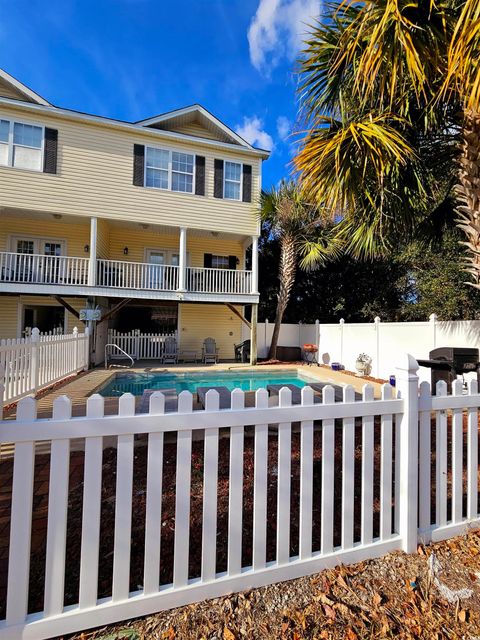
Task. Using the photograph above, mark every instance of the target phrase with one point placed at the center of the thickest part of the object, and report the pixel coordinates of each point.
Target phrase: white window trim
(170, 169)
(10, 144)
(240, 198)
(37, 239)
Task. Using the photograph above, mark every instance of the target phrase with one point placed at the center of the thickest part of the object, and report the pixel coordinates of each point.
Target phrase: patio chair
(170, 351)
(209, 351)
(242, 351)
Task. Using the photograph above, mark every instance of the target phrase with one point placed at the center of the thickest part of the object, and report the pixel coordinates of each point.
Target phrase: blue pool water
(137, 383)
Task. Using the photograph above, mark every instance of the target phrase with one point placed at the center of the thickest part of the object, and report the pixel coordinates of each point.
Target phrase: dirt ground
(396, 596)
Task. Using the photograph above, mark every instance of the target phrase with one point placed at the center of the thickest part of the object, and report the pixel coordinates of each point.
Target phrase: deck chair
(242, 351)
(223, 392)
(170, 351)
(209, 351)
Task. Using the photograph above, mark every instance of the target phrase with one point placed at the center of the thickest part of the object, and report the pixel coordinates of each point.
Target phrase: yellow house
(149, 222)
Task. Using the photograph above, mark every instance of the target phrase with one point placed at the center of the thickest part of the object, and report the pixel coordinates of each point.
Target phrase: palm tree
(388, 88)
(302, 233)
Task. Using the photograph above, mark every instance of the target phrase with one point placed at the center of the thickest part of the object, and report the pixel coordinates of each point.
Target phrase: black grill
(447, 363)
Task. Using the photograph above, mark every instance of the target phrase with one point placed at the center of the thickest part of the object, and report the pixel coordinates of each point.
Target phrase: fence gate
(141, 346)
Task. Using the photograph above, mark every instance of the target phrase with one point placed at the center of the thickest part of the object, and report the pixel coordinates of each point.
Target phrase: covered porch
(97, 256)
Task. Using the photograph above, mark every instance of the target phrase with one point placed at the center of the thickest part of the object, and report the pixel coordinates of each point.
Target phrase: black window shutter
(207, 260)
(247, 183)
(218, 179)
(138, 165)
(50, 151)
(232, 262)
(200, 175)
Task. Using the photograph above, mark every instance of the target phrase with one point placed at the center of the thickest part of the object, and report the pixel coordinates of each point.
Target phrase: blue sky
(131, 59)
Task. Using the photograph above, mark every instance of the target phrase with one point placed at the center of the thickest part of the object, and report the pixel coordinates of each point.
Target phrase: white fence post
(317, 334)
(87, 349)
(407, 423)
(2, 389)
(433, 324)
(75, 348)
(377, 346)
(342, 322)
(35, 363)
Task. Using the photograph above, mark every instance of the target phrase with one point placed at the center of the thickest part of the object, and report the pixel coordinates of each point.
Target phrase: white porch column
(92, 265)
(182, 261)
(254, 264)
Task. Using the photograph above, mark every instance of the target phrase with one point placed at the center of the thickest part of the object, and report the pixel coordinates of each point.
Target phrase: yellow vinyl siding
(9, 312)
(200, 321)
(95, 178)
(76, 236)
(138, 241)
(7, 91)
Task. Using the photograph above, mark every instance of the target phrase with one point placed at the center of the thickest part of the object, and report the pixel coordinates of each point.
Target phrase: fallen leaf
(227, 634)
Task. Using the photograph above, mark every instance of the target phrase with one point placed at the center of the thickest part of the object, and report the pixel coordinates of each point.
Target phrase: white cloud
(277, 30)
(252, 131)
(284, 126)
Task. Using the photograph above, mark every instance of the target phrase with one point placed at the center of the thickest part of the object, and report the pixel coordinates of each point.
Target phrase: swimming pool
(137, 383)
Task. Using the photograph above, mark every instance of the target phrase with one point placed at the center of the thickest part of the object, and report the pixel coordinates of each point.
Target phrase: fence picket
(20, 521)
(182, 496)
(284, 473)
(210, 482)
(57, 514)
(306, 479)
(441, 459)
(260, 486)
(367, 471)
(235, 497)
(386, 476)
(328, 474)
(153, 513)
(348, 472)
(92, 489)
(123, 505)
(457, 455)
(425, 462)
(472, 453)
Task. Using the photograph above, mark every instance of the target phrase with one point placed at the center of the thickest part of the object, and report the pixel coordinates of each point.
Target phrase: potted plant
(363, 364)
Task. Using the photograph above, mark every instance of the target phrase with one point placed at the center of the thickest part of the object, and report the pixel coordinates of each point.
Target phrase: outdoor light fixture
(57, 216)
(86, 248)
(125, 251)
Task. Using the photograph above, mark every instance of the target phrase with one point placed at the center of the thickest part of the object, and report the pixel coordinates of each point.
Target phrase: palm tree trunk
(286, 276)
(468, 193)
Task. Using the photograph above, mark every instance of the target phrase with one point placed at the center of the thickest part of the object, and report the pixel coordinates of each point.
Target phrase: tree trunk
(286, 276)
(468, 194)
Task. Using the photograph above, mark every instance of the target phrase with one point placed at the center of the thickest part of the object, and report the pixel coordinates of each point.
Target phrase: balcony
(31, 269)
(40, 269)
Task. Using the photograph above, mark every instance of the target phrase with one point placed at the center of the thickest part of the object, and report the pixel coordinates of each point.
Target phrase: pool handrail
(110, 344)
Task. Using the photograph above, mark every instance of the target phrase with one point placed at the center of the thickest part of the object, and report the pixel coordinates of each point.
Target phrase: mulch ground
(391, 597)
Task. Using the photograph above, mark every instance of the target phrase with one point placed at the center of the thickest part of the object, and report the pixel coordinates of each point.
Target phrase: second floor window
(169, 170)
(21, 145)
(232, 181)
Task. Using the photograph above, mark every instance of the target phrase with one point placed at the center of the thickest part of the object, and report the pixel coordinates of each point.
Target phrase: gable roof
(195, 113)
(22, 89)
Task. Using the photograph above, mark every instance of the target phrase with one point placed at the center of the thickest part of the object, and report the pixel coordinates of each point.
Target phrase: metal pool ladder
(115, 346)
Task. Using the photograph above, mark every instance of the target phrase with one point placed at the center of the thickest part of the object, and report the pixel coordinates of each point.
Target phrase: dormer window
(170, 170)
(21, 145)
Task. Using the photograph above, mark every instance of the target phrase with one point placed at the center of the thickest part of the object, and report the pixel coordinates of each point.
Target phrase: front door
(156, 271)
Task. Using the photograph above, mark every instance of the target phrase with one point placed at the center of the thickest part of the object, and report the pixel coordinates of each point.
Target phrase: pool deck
(85, 384)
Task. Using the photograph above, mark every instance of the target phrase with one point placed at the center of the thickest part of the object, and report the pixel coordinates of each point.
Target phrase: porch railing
(206, 280)
(41, 269)
(70, 270)
(137, 275)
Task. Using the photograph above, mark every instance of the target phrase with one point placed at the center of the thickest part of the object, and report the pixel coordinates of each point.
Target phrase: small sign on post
(90, 315)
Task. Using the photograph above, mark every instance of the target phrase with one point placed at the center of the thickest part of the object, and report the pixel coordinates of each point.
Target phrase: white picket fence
(141, 346)
(40, 360)
(357, 501)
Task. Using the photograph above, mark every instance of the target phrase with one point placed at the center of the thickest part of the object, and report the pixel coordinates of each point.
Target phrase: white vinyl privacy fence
(189, 515)
(140, 346)
(40, 360)
(384, 342)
